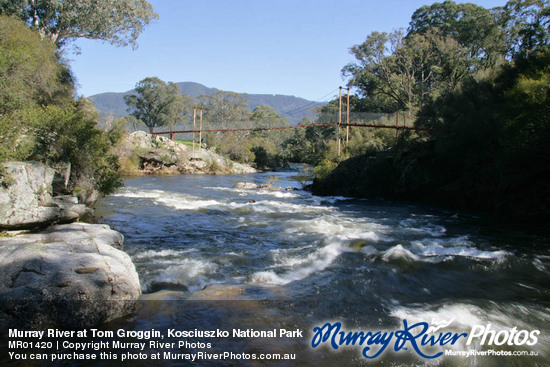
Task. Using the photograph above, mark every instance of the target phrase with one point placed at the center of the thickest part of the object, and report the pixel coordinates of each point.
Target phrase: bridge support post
(200, 131)
(339, 120)
(347, 121)
(194, 128)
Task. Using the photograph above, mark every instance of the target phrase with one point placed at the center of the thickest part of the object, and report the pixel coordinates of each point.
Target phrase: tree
(69, 136)
(30, 72)
(446, 44)
(472, 26)
(266, 116)
(225, 109)
(182, 106)
(394, 72)
(371, 74)
(527, 23)
(155, 103)
(117, 22)
(399, 73)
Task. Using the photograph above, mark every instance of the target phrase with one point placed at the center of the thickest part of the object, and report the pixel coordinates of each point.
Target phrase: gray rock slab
(71, 275)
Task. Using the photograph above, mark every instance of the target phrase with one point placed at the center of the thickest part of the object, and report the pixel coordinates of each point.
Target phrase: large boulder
(27, 201)
(142, 154)
(70, 276)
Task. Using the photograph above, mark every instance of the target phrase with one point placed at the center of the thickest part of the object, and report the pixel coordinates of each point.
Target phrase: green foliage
(224, 110)
(129, 166)
(39, 119)
(369, 141)
(5, 234)
(231, 145)
(187, 143)
(261, 158)
(117, 22)
(16, 141)
(296, 148)
(446, 45)
(31, 75)
(227, 110)
(214, 167)
(6, 180)
(402, 73)
(266, 113)
(156, 103)
(117, 131)
(69, 135)
(30, 71)
(527, 23)
(325, 168)
(473, 27)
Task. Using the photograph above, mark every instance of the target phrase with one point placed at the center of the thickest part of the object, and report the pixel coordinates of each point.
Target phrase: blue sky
(293, 47)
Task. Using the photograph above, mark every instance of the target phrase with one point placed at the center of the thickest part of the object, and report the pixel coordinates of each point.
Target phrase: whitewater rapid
(365, 262)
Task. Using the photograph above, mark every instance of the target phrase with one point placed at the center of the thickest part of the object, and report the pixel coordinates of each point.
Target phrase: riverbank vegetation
(41, 119)
(478, 80)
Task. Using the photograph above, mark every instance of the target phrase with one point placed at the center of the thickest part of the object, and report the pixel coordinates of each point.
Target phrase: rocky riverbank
(67, 275)
(143, 154)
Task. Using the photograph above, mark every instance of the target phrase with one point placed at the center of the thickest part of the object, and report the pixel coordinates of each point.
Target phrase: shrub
(324, 169)
(68, 135)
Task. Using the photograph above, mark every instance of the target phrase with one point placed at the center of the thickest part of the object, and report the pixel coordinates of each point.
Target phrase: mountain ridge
(111, 104)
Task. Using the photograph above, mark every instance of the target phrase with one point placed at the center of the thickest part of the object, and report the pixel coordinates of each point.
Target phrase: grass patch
(187, 143)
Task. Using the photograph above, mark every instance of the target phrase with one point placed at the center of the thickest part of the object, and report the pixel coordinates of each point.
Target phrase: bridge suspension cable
(347, 123)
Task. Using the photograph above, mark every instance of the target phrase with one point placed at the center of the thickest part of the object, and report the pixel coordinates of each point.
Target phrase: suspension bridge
(400, 124)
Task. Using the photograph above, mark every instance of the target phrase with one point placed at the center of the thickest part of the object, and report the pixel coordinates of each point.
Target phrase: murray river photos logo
(425, 340)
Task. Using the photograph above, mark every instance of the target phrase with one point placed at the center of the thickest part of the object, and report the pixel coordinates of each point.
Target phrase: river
(213, 257)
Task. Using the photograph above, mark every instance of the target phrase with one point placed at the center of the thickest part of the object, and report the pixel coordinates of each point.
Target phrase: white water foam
(457, 246)
(177, 201)
(333, 225)
(279, 194)
(170, 199)
(334, 199)
(139, 194)
(441, 249)
(300, 268)
(398, 252)
(190, 273)
(162, 253)
(275, 193)
(187, 202)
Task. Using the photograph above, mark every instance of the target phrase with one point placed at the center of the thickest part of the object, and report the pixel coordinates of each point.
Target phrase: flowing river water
(210, 256)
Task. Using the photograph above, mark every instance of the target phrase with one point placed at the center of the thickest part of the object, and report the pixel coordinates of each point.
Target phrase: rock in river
(70, 276)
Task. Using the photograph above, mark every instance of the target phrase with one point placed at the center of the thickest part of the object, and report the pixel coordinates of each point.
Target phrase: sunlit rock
(71, 275)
